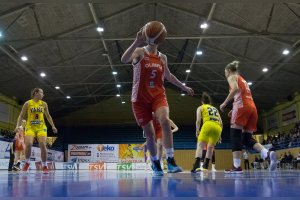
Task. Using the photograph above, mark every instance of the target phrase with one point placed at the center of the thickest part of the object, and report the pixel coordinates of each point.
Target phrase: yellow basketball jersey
(35, 114)
(210, 113)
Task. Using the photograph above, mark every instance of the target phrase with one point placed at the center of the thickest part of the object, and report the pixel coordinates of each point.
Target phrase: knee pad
(236, 139)
(248, 140)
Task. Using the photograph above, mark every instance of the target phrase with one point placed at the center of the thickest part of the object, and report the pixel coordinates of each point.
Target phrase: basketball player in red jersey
(243, 119)
(150, 68)
(19, 146)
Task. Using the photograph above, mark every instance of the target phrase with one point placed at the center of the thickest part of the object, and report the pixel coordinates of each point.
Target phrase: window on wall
(4, 112)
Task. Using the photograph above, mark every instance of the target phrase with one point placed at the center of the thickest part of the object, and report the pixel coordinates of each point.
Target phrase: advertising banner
(105, 153)
(289, 115)
(93, 153)
(81, 153)
(4, 149)
(131, 153)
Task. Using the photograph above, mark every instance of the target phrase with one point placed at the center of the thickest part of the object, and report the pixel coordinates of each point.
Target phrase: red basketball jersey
(244, 95)
(148, 78)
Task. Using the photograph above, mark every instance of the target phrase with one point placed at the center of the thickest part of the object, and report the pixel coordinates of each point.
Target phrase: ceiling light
(183, 84)
(68, 97)
(118, 85)
(114, 73)
(182, 94)
(118, 95)
(123, 102)
(57, 87)
(250, 83)
(24, 58)
(285, 52)
(265, 69)
(204, 25)
(188, 71)
(199, 53)
(42, 74)
(100, 29)
(1, 34)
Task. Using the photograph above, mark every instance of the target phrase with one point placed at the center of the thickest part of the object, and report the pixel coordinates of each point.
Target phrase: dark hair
(206, 99)
(34, 90)
(233, 66)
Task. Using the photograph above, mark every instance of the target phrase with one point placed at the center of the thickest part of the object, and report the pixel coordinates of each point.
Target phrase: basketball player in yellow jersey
(35, 125)
(210, 132)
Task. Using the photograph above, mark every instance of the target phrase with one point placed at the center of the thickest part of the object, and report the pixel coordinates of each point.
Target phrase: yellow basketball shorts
(210, 133)
(36, 131)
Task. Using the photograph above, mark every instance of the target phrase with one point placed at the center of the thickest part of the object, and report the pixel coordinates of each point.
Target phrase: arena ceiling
(61, 40)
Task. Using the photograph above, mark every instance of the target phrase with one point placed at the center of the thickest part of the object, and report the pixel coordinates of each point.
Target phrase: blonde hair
(233, 66)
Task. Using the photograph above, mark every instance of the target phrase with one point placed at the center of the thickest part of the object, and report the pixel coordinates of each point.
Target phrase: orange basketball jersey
(244, 96)
(148, 78)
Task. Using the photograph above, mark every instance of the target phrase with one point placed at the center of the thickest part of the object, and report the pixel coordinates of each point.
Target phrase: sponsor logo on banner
(80, 153)
(124, 166)
(106, 153)
(80, 160)
(69, 166)
(96, 166)
(83, 160)
(102, 147)
(75, 147)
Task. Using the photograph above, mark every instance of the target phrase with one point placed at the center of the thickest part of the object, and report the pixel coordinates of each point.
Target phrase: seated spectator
(283, 160)
(256, 160)
(296, 161)
(289, 157)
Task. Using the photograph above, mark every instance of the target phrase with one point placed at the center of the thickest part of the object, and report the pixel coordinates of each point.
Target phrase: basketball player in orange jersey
(36, 126)
(150, 68)
(243, 119)
(19, 146)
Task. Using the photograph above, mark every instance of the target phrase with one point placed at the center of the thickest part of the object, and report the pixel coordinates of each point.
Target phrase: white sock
(44, 164)
(153, 158)
(213, 166)
(236, 162)
(201, 164)
(162, 164)
(264, 153)
(170, 152)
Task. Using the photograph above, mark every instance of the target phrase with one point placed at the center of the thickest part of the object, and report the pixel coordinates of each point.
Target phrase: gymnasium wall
(185, 158)
(282, 117)
(9, 112)
(109, 112)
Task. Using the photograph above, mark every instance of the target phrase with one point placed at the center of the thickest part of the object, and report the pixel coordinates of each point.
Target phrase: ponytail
(233, 66)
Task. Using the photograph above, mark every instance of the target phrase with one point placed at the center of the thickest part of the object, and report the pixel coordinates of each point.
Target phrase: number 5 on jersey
(152, 76)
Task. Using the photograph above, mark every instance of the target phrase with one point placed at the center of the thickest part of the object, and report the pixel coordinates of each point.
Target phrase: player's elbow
(124, 60)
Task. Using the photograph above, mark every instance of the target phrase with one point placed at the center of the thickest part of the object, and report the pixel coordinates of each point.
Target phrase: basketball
(155, 32)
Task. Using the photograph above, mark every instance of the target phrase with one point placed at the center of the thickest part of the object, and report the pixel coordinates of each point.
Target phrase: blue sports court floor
(62, 184)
